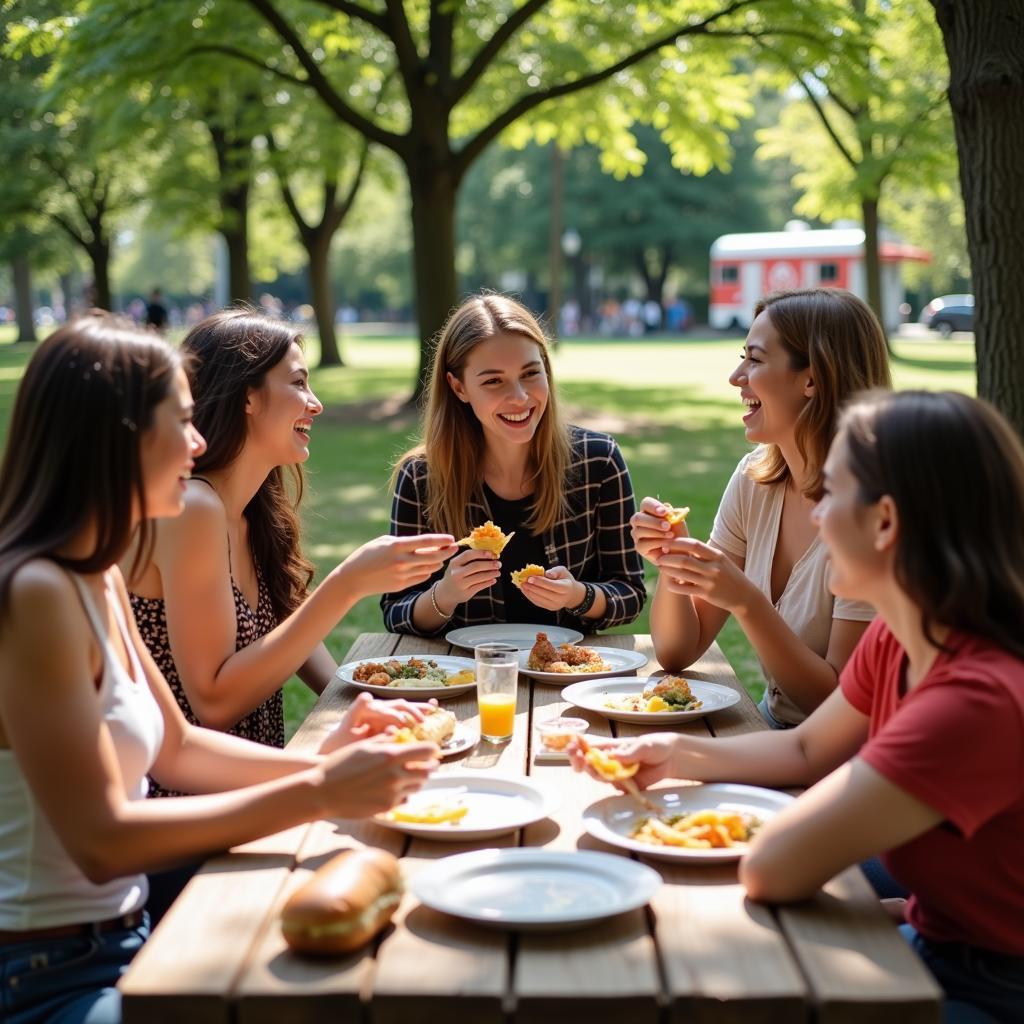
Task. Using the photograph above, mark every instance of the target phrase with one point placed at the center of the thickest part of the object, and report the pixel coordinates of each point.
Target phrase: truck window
(730, 273)
(827, 272)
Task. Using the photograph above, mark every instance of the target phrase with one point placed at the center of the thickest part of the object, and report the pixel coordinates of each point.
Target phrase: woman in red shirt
(919, 755)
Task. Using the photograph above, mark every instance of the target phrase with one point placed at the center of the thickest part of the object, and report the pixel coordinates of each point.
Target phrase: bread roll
(344, 904)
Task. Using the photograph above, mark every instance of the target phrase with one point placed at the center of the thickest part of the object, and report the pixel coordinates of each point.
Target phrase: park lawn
(668, 403)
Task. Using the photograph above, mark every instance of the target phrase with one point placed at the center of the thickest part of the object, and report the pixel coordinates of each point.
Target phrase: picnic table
(700, 951)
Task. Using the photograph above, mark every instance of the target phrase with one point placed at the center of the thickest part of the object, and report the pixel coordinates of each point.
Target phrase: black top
(522, 549)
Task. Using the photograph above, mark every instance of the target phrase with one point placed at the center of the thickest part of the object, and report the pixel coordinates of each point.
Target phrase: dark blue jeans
(67, 981)
(980, 986)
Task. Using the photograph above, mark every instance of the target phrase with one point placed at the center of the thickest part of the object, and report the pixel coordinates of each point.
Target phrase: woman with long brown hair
(100, 438)
(807, 351)
(917, 755)
(222, 603)
(496, 447)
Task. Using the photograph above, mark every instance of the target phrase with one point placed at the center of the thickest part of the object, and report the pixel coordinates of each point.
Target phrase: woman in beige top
(806, 353)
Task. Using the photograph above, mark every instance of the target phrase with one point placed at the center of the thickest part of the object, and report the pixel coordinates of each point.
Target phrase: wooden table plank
(855, 960)
(187, 969)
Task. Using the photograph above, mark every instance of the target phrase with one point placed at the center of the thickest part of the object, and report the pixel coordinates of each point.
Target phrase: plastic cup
(497, 677)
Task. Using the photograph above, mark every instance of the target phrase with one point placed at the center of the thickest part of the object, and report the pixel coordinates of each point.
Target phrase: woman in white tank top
(100, 439)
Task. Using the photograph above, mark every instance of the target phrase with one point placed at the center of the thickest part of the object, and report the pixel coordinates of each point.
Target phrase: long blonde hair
(453, 439)
(836, 336)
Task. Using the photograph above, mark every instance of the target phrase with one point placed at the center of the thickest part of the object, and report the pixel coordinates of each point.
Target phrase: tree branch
(62, 222)
(322, 87)
(286, 190)
(358, 12)
(511, 114)
(241, 55)
(442, 24)
(490, 50)
(406, 54)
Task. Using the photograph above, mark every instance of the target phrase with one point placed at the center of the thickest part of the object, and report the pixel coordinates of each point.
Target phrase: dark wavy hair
(72, 459)
(836, 336)
(955, 470)
(229, 354)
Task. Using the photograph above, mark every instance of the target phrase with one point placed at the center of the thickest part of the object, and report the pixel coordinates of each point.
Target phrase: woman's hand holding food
(653, 753)
(373, 775)
(556, 589)
(467, 574)
(651, 528)
(695, 569)
(388, 564)
(367, 717)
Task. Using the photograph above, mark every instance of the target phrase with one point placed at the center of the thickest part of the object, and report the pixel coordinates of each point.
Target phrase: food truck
(745, 267)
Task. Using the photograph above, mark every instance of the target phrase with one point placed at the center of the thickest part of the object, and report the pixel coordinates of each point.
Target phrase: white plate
(450, 665)
(519, 634)
(461, 740)
(535, 890)
(592, 695)
(613, 818)
(497, 805)
(621, 661)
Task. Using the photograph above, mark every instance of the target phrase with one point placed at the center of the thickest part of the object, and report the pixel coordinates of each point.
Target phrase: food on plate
(672, 693)
(487, 538)
(557, 733)
(344, 904)
(610, 768)
(412, 673)
(437, 727)
(518, 575)
(565, 658)
(676, 515)
(698, 830)
(437, 813)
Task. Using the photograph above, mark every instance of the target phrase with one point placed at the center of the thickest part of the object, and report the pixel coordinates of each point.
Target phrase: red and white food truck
(745, 267)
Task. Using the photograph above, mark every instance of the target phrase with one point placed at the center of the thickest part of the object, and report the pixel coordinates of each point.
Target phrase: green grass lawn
(668, 403)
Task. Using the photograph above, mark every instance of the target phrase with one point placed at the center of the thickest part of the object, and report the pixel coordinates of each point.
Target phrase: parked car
(949, 313)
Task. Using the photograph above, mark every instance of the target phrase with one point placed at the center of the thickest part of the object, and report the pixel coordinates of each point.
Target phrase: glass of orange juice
(497, 673)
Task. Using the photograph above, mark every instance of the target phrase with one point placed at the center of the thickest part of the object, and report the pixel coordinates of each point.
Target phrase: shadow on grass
(936, 365)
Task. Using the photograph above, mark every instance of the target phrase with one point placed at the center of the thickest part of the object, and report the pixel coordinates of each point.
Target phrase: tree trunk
(319, 251)
(984, 41)
(555, 255)
(21, 277)
(99, 256)
(234, 205)
(67, 288)
(872, 263)
(433, 194)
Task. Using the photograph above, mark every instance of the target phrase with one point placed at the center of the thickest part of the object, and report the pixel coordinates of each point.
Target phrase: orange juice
(497, 715)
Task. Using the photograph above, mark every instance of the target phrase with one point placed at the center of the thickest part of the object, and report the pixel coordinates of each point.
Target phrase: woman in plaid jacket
(495, 447)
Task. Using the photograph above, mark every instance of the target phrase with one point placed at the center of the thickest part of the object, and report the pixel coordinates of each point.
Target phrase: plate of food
(466, 806)
(651, 700)
(417, 676)
(708, 823)
(518, 634)
(535, 890)
(551, 663)
(441, 727)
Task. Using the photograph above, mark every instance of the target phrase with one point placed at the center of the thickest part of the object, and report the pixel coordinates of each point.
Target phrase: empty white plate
(613, 819)
(619, 661)
(495, 806)
(519, 634)
(535, 890)
(594, 696)
(449, 664)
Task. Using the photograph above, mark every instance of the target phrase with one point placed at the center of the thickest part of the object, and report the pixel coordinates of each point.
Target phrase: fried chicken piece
(379, 679)
(362, 673)
(573, 655)
(542, 654)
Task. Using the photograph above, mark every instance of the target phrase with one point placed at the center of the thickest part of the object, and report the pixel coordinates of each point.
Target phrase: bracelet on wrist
(587, 603)
(433, 602)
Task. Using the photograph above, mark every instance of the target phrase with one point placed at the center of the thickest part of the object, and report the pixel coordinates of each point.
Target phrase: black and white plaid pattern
(592, 540)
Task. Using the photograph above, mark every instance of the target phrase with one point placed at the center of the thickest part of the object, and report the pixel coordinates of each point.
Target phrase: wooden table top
(700, 951)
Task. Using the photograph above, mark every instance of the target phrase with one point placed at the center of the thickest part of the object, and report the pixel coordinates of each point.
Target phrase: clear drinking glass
(497, 675)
